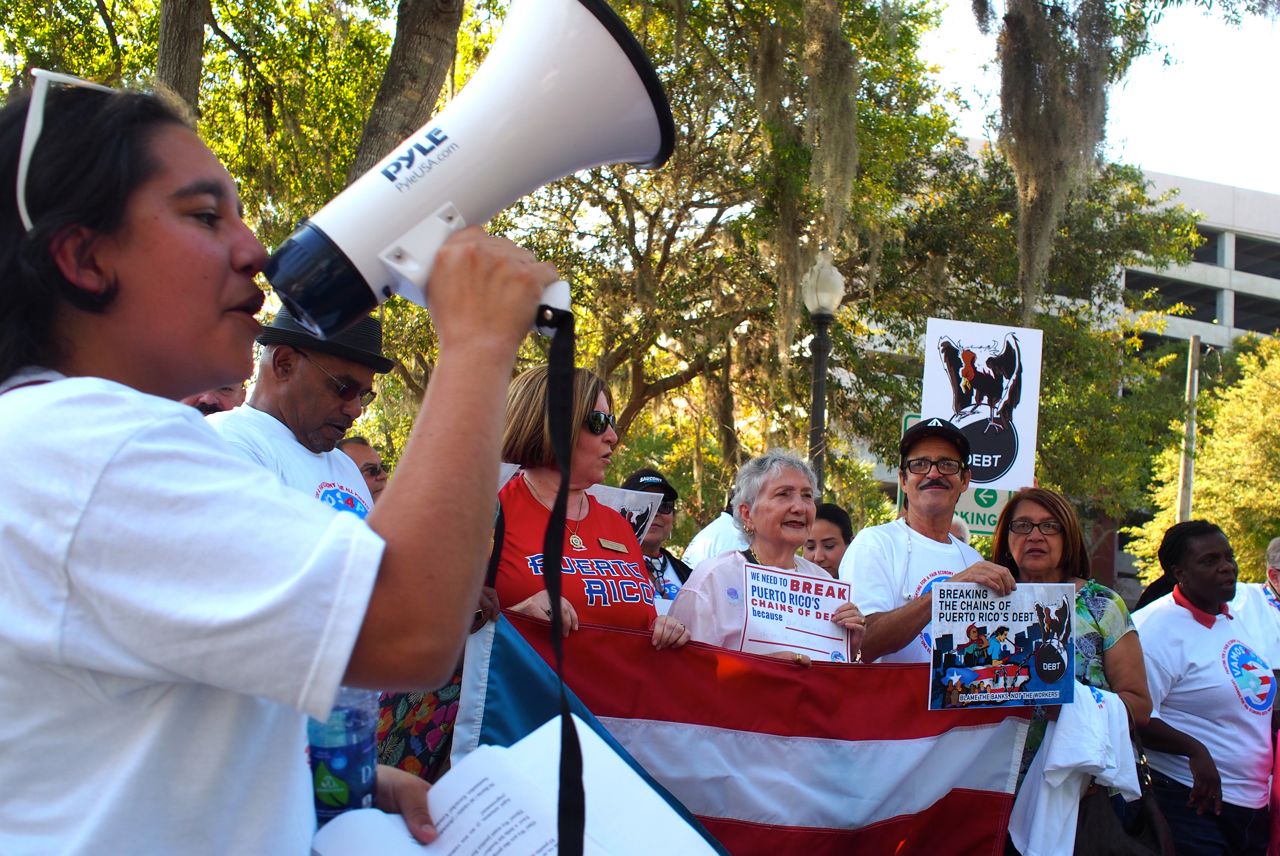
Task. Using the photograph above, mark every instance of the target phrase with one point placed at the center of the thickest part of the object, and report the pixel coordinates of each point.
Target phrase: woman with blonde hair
(603, 575)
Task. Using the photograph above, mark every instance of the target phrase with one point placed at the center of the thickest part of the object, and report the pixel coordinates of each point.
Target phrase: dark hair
(1075, 556)
(1173, 546)
(92, 155)
(838, 517)
(353, 440)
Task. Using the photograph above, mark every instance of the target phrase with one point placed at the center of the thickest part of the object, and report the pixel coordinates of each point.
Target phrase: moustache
(208, 409)
(934, 483)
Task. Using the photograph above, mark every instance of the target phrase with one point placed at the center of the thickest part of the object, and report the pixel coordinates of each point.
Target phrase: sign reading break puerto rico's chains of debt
(985, 378)
(792, 612)
(1014, 650)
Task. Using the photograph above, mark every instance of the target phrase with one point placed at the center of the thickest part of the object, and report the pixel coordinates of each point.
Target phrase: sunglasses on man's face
(345, 388)
(35, 124)
(598, 422)
(372, 471)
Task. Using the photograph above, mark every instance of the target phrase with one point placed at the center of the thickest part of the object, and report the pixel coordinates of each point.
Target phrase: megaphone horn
(565, 87)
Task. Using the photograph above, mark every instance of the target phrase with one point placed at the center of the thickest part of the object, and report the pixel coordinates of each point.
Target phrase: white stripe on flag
(474, 690)
(811, 781)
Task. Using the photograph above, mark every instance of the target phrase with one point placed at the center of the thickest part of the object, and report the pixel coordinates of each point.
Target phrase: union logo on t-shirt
(926, 585)
(1253, 679)
(341, 498)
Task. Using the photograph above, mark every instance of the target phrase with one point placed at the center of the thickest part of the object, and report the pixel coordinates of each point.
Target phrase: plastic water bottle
(344, 754)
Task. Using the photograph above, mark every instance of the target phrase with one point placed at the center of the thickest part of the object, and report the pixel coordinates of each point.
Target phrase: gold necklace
(575, 540)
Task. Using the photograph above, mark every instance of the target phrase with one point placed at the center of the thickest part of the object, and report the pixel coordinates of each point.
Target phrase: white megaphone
(564, 88)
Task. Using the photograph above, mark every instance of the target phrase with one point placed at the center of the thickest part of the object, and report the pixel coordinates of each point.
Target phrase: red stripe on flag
(617, 673)
(962, 822)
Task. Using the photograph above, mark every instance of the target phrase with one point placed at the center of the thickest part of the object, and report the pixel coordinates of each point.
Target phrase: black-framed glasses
(372, 471)
(945, 466)
(667, 507)
(598, 422)
(1023, 526)
(35, 124)
(347, 390)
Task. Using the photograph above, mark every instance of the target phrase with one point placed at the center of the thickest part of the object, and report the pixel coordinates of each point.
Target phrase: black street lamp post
(823, 289)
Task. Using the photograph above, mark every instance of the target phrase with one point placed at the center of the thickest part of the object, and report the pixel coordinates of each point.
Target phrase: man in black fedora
(307, 394)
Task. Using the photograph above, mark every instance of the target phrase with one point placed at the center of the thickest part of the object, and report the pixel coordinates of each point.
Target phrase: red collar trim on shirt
(1201, 617)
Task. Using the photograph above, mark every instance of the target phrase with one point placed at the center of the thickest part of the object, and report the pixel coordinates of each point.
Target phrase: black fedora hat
(361, 342)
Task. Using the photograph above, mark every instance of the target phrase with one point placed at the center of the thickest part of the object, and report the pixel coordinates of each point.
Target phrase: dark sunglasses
(667, 507)
(598, 422)
(374, 470)
(347, 390)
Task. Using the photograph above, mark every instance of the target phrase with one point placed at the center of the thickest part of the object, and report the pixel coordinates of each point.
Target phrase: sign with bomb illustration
(985, 378)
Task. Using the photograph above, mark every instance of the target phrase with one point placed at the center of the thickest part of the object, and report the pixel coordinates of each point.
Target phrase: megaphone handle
(556, 302)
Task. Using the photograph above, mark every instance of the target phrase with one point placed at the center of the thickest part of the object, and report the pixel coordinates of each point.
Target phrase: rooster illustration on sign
(984, 376)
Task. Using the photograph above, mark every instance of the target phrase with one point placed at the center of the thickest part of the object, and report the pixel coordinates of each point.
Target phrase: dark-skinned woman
(1209, 741)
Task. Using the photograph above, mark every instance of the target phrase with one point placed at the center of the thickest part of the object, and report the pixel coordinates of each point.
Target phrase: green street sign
(985, 498)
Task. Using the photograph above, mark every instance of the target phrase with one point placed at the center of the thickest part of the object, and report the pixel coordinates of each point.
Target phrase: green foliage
(676, 277)
(1236, 449)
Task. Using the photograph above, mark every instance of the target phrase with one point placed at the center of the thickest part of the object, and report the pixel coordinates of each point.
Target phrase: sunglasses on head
(35, 124)
(598, 422)
(347, 390)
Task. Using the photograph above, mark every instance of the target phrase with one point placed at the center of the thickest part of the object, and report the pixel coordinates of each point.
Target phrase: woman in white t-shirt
(1209, 740)
(773, 505)
(154, 690)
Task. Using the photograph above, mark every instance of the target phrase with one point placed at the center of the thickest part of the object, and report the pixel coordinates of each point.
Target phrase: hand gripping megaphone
(564, 88)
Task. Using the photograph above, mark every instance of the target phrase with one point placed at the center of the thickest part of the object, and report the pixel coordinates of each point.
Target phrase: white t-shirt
(719, 536)
(1257, 608)
(890, 564)
(331, 477)
(159, 644)
(1210, 683)
(713, 601)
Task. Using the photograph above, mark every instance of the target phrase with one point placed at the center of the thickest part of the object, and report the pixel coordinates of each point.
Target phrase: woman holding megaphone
(154, 692)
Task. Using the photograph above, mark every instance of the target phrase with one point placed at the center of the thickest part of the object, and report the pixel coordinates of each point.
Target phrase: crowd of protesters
(132, 659)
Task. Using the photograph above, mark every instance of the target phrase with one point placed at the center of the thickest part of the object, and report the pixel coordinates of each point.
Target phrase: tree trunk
(421, 56)
(726, 427)
(181, 47)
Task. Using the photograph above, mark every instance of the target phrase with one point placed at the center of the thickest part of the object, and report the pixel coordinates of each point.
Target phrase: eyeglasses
(598, 422)
(347, 390)
(667, 507)
(1022, 526)
(35, 124)
(372, 471)
(945, 466)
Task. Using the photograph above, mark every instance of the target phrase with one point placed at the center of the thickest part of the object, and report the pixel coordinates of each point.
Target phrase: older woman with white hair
(773, 505)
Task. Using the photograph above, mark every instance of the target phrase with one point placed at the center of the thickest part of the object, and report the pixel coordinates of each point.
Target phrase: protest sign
(638, 507)
(792, 612)
(985, 378)
(990, 651)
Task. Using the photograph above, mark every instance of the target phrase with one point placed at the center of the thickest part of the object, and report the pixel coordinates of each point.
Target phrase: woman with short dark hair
(154, 692)
(1209, 741)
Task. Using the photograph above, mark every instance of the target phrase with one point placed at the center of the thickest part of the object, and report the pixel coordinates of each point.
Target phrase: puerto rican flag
(769, 756)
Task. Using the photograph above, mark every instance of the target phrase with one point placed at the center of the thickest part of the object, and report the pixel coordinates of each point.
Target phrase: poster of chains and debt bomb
(990, 651)
(985, 378)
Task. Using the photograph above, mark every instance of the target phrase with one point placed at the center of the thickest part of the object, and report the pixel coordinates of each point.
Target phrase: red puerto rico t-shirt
(605, 581)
